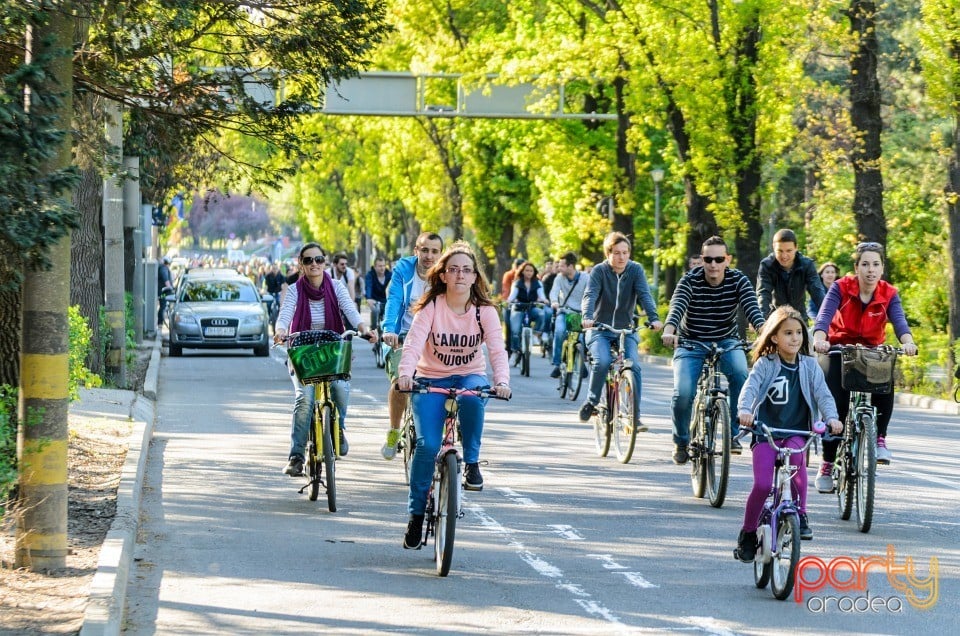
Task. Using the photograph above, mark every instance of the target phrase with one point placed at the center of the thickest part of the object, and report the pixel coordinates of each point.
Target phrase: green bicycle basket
(321, 361)
(573, 322)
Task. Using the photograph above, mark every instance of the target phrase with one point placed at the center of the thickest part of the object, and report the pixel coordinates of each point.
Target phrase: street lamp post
(657, 175)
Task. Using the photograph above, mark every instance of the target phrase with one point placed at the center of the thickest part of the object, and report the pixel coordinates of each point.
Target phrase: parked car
(218, 309)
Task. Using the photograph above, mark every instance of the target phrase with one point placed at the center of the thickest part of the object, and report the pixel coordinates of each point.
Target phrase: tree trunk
(626, 160)
(867, 123)
(10, 336)
(743, 119)
(86, 260)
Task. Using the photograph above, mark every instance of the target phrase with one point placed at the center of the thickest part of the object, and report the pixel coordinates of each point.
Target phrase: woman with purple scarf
(307, 305)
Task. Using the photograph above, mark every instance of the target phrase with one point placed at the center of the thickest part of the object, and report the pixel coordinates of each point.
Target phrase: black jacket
(776, 286)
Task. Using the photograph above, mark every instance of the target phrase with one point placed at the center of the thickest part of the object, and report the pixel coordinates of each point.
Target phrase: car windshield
(219, 290)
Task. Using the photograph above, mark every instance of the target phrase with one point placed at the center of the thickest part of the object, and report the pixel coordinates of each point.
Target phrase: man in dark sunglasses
(703, 311)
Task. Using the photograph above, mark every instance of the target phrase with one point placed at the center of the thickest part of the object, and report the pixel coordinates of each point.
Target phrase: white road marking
(608, 561)
(930, 478)
(636, 579)
(567, 532)
(516, 497)
(545, 569)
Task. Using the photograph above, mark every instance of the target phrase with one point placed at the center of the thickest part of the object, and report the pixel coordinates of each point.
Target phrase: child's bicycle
(710, 432)
(616, 414)
(864, 370)
(778, 535)
(318, 358)
(526, 334)
(573, 356)
(444, 501)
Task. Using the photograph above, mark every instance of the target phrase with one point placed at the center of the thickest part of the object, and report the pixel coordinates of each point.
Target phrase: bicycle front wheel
(313, 463)
(717, 453)
(576, 372)
(448, 509)
(329, 460)
(866, 472)
(625, 420)
(761, 566)
(786, 555)
(698, 464)
(601, 425)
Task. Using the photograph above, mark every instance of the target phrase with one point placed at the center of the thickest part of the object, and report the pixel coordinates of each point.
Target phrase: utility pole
(42, 437)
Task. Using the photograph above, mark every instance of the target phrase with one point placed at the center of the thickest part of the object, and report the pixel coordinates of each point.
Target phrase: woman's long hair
(479, 291)
(765, 344)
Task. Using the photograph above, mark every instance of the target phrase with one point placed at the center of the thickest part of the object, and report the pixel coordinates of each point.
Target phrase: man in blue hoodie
(407, 285)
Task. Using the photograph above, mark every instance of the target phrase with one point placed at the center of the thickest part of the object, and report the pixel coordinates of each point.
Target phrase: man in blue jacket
(407, 285)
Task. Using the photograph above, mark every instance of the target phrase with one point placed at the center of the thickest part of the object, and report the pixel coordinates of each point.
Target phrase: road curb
(108, 590)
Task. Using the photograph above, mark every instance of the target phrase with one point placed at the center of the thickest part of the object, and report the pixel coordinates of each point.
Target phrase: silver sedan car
(219, 311)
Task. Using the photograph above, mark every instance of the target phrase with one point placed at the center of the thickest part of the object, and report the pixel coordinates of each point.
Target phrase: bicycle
(616, 413)
(573, 356)
(379, 349)
(710, 433)
(407, 442)
(778, 535)
(319, 357)
(864, 370)
(444, 501)
(956, 391)
(526, 335)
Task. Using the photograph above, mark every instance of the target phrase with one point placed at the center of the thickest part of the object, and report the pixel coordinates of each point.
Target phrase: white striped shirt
(700, 311)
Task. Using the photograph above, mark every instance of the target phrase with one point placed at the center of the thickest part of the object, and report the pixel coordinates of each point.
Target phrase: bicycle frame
(610, 409)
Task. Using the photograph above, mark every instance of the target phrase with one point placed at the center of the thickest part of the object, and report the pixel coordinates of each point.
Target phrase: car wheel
(175, 351)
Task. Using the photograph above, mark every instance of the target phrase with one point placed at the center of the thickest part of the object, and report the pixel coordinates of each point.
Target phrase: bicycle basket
(319, 356)
(868, 370)
(573, 322)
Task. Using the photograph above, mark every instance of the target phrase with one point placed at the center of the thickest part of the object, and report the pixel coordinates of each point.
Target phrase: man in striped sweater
(704, 309)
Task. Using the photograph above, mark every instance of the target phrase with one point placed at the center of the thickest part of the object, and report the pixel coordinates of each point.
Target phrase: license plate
(219, 331)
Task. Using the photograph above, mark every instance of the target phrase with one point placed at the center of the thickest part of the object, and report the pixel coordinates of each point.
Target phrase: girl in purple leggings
(785, 390)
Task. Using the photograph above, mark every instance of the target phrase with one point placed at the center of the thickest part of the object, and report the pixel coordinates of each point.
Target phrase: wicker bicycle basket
(868, 370)
(319, 356)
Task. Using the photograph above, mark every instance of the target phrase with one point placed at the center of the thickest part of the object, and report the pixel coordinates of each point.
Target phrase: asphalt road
(559, 542)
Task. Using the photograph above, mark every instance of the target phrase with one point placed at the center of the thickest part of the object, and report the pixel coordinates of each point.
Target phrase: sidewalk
(105, 609)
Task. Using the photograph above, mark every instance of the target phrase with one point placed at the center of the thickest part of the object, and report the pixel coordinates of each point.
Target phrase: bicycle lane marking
(544, 568)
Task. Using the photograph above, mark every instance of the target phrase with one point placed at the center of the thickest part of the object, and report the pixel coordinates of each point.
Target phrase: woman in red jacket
(855, 311)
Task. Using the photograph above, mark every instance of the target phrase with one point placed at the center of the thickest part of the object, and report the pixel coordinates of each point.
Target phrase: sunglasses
(309, 260)
(714, 259)
(869, 246)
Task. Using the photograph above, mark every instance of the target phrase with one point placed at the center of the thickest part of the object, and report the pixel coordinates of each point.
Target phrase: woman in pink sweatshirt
(451, 321)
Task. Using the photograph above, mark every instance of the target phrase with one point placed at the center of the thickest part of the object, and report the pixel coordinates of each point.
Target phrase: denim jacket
(813, 385)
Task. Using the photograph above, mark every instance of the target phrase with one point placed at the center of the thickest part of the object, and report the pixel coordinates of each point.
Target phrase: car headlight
(256, 321)
(185, 320)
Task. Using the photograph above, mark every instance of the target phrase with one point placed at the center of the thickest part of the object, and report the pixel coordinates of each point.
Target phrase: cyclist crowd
(435, 310)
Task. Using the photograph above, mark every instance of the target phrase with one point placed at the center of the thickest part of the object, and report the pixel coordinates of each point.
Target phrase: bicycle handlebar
(346, 335)
(599, 326)
(759, 428)
(421, 386)
(838, 348)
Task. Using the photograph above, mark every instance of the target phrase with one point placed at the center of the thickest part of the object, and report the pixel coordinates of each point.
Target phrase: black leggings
(882, 401)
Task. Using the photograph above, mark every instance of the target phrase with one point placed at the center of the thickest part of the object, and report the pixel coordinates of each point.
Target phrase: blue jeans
(599, 342)
(559, 335)
(516, 325)
(687, 364)
(428, 416)
(303, 410)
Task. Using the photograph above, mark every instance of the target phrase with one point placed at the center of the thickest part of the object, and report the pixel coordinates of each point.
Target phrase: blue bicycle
(778, 535)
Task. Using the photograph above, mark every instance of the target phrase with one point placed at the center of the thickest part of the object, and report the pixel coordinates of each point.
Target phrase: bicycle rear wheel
(447, 511)
(866, 472)
(564, 377)
(575, 375)
(698, 454)
(329, 461)
(601, 424)
(786, 555)
(408, 441)
(313, 463)
(625, 417)
(717, 455)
